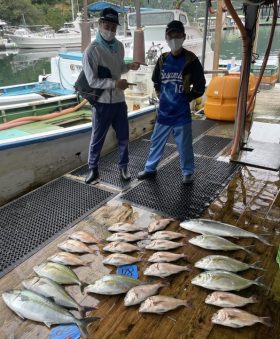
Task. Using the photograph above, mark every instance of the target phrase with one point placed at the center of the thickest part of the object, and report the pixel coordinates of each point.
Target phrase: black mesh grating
(198, 127)
(108, 166)
(168, 195)
(30, 222)
(210, 146)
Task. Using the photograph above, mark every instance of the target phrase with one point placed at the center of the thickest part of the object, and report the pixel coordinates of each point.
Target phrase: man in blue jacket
(178, 79)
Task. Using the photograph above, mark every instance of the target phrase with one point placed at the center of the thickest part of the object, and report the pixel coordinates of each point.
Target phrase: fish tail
(164, 283)
(84, 309)
(262, 239)
(83, 324)
(257, 282)
(83, 286)
(254, 299)
(256, 266)
(188, 268)
(266, 321)
(245, 248)
(188, 303)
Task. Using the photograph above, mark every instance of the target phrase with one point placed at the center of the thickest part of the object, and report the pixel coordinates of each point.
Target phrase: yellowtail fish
(50, 289)
(224, 281)
(120, 247)
(226, 299)
(160, 304)
(166, 235)
(66, 258)
(236, 318)
(160, 224)
(84, 237)
(213, 242)
(165, 270)
(29, 305)
(75, 246)
(213, 227)
(59, 273)
(221, 262)
(166, 257)
(112, 284)
(140, 293)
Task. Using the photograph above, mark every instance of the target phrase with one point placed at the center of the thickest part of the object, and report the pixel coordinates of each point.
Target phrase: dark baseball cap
(175, 26)
(109, 14)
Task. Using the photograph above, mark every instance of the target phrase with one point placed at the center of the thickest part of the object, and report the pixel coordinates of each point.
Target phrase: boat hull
(30, 163)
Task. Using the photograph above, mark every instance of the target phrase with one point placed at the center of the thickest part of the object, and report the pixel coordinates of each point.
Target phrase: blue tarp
(100, 5)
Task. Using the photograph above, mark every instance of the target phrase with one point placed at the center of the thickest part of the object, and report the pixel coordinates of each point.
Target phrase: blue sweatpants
(104, 116)
(183, 139)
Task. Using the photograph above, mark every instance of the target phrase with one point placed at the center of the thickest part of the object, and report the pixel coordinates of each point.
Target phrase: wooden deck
(251, 201)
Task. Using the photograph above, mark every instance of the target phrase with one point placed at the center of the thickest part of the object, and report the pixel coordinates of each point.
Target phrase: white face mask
(175, 44)
(107, 35)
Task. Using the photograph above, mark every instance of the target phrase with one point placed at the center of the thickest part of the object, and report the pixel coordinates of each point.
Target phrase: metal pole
(204, 34)
(138, 15)
(85, 28)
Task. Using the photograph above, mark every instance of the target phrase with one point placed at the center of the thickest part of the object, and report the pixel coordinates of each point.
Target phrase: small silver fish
(127, 237)
(236, 318)
(160, 304)
(213, 242)
(140, 293)
(213, 227)
(226, 299)
(112, 284)
(166, 235)
(84, 237)
(66, 258)
(166, 257)
(221, 262)
(121, 227)
(163, 245)
(119, 259)
(120, 247)
(164, 269)
(223, 281)
(29, 305)
(75, 246)
(160, 224)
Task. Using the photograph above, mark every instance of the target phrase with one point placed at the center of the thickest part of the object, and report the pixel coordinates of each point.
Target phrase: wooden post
(85, 28)
(257, 35)
(218, 34)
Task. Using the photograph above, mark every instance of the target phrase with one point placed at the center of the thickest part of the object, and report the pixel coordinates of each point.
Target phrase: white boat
(35, 155)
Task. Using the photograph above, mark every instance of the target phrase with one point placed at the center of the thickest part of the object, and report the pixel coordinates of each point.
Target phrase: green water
(26, 65)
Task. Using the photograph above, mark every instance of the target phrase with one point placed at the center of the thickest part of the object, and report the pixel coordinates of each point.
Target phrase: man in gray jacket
(110, 109)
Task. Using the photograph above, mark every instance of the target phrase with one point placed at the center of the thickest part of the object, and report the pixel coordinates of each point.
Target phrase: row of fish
(220, 272)
(143, 293)
(43, 299)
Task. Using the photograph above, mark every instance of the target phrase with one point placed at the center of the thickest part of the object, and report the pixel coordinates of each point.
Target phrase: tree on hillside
(12, 11)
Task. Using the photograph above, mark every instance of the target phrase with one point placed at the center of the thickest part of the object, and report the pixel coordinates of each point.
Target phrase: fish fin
(83, 324)
(257, 282)
(245, 248)
(262, 239)
(188, 303)
(254, 299)
(266, 321)
(256, 266)
(48, 324)
(84, 309)
(21, 316)
(83, 286)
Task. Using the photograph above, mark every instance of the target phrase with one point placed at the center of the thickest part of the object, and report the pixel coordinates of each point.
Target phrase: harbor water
(23, 66)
